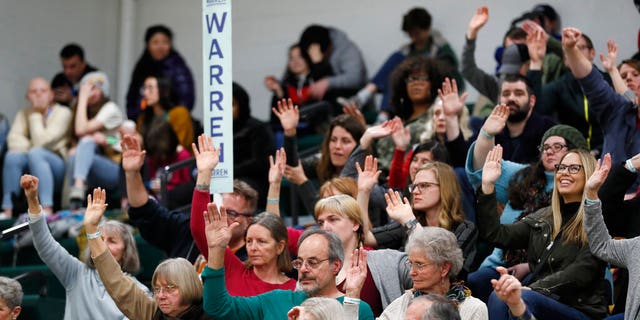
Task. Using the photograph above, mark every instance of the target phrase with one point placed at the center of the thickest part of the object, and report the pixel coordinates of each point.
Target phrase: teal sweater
(271, 305)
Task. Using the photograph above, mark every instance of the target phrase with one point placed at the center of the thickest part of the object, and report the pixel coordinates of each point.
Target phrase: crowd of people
(428, 210)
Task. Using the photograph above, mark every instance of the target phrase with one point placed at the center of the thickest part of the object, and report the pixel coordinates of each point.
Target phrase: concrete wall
(34, 31)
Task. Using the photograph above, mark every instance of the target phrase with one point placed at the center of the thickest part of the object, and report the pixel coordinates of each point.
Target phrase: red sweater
(399, 169)
(242, 281)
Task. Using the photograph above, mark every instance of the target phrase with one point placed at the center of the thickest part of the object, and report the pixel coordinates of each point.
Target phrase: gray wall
(34, 31)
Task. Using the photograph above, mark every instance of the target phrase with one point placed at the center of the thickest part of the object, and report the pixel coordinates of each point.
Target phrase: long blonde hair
(574, 231)
(463, 121)
(451, 211)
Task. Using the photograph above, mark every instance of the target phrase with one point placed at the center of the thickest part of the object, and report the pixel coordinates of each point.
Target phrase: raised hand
(598, 177)
(398, 209)
(29, 184)
(216, 227)
(497, 120)
(368, 177)
(570, 37)
(452, 104)
(132, 155)
(492, 169)
(207, 156)
(609, 62)
(295, 174)
(276, 167)
(402, 136)
(537, 45)
(96, 205)
(351, 108)
(530, 26)
(356, 273)
(477, 21)
(289, 116)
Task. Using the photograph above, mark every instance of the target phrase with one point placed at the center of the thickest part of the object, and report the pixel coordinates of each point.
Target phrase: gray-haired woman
(10, 299)
(435, 260)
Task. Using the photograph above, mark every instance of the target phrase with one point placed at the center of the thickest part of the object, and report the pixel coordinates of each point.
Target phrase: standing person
(566, 281)
(160, 59)
(86, 295)
(74, 67)
(95, 159)
(37, 143)
(10, 298)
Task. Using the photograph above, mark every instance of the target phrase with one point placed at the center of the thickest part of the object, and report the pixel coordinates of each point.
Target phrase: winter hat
(98, 79)
(571, 135)
(513, 57)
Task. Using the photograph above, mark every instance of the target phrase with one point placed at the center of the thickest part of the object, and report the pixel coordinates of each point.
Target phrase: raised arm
(452, 105)
(276, 172)
(207, 157)
(609, 65)
(493, 125)
(478, 21)
(218, 233)
(132, 161)
(579, 65)
(129, 298)
(367, 179)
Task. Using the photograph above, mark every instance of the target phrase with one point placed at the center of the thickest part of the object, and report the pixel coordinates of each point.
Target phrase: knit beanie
(98, 79)
(571, 135)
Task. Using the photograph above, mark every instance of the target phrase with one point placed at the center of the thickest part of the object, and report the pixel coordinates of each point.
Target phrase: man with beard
(320, 257)
(524, 129)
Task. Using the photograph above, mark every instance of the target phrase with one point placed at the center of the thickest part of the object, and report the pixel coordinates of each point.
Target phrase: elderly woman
(318, 308)
(176, 286)
(565, 279)
(435, 260)
(10, 298)
(85, 292)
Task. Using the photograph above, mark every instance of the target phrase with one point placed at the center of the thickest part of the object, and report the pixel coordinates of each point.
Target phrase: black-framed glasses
(572, 168)
(418, 266)
(556, 147)
(311, 263)
(420, 186)
(411, 79)
(234, 214)
(168, 289)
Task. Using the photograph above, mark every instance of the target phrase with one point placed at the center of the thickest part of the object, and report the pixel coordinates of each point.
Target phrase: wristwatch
(410, 225)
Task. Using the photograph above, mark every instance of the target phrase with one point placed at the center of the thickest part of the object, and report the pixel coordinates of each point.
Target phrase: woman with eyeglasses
(435, 259)
(521, 190)
(177, 289)
(566, 280)
(85, 291)
(267, 240)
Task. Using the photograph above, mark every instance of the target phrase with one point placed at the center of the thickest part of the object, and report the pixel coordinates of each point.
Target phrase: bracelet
(351, 300)
(273, 200)
(95, 235)
(410, 225)
(630, 166)
(485, 134)
(202, 187)
(588, 201)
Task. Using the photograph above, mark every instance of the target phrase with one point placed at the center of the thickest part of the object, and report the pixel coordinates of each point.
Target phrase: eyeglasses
(235, 214)
(168, 289)
(554, 147)
(420, 186)
(144, 88)
(417, 265)
(573, 168)
(411, 79)
(311, 263)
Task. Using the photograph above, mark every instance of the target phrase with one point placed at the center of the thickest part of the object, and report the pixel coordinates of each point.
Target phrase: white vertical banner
(217, 88)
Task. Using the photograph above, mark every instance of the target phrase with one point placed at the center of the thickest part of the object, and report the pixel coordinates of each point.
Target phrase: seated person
(37, 143)
(94, 160)
(10, 298)
(74, 67)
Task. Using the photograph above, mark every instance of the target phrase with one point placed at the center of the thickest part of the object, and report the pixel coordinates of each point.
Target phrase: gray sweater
(624, 253)
(86, 296)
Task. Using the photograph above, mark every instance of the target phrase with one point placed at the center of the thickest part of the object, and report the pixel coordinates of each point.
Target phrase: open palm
(492, 166)
(132, 155)
(288, 114)
(96, 205)
(479, 19)
(600, 174)
(216, 227)
(207, 156)
(368, 177)
(398, 209)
